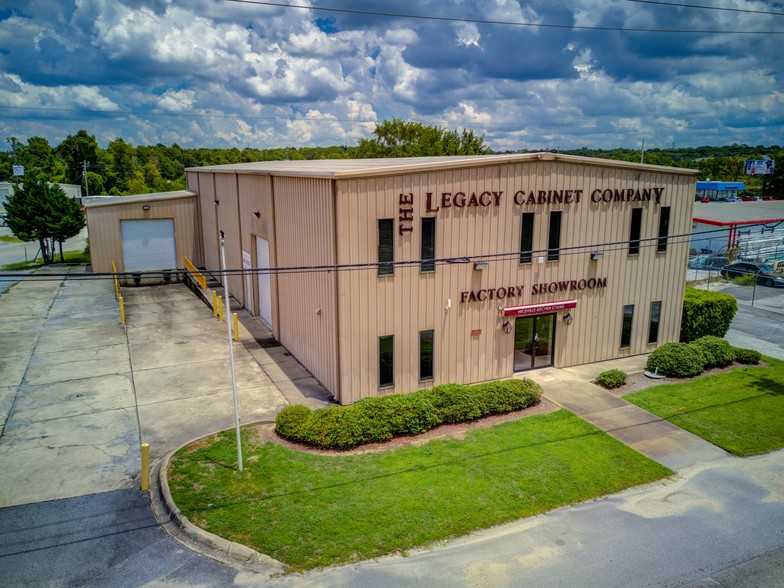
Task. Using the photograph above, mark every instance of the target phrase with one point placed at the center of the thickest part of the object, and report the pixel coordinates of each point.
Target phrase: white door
(148, 244)
(265, 287)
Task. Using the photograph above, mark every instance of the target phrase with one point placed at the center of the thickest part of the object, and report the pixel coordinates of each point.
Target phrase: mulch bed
(266, 432)
(634, 383)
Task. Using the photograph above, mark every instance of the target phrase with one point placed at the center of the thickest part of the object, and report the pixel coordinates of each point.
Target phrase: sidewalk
(572, 388)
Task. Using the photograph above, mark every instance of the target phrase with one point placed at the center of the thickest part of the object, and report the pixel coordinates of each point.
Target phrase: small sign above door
(539, 308)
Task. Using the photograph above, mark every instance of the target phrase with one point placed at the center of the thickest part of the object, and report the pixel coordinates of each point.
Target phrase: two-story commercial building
(390, 275)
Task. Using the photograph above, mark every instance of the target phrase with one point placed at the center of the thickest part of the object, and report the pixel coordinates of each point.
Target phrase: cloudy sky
(223, 73)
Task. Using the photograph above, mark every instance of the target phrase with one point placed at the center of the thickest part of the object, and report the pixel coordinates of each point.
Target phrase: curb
(197, 539)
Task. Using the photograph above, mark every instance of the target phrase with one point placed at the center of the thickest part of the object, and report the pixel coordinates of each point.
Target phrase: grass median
(308, 510)
(741, 411)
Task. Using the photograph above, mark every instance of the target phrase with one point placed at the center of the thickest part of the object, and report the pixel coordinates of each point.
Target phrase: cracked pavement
(79, 392)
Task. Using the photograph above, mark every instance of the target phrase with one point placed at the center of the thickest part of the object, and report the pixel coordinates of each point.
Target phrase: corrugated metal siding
(255, 193)
(371, 306)
(228, 219)
(103, 225)
(205, 183)
(307, 307)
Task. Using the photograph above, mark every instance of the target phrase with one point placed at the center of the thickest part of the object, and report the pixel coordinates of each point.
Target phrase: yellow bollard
(220, 308)
(145, 467)
(122, 310)
(236, 327)
(214, 304)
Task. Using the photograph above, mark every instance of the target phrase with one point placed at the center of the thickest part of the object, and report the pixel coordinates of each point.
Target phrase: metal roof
(738, 213)
(118, 200)
(351, 168)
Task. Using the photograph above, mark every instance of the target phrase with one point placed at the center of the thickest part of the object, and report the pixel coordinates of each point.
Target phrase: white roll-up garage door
(265, 287)
(148, 244)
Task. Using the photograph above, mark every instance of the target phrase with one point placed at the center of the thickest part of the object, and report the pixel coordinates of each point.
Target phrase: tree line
(123, 169)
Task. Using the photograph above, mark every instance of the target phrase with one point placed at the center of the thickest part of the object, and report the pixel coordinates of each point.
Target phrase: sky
(223, 73)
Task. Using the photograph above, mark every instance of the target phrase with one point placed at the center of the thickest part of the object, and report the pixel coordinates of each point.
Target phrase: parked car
(4, 220)
(765, 274)
(708, 262)
(752, 199)
(776, 264)
(733, 199)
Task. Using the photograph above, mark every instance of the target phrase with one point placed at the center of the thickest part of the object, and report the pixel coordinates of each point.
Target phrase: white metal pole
(231, 346)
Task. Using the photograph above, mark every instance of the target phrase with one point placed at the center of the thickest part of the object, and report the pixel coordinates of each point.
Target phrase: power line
(504, 22)
(703, 7)
(365, 266)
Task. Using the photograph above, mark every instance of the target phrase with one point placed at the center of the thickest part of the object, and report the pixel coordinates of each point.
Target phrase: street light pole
(231, 346)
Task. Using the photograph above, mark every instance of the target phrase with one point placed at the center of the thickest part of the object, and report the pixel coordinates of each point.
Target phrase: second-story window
(527, 237)
(664, 229)
(554, 236)
(386, 242)
(634, 232)
(428, 250)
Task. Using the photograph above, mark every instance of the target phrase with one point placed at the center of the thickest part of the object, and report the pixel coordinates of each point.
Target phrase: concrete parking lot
(81, 392)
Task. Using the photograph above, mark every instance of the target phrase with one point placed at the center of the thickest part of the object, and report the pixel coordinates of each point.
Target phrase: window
(554, 237)
(634, 234)
(426, 355)
(428, 251)
(653, 328)
(386, 241)
(527, 237)
(626, 328)
(664, 229)
(386, 361)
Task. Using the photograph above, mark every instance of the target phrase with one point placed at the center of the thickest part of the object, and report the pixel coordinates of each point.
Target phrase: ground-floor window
(653, 327)
(386, 361)
(426, 355)
(626, 327)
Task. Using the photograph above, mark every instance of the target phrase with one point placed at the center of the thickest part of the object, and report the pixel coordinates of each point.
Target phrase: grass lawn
(310, 510)
(9, 239)
(741, 411)
(70, 257)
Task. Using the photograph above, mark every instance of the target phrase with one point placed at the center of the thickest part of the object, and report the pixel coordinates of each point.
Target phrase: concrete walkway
(572, 388)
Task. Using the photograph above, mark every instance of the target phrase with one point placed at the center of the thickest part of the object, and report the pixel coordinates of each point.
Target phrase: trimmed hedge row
(378, 419)
(706, 313)
(684, 360)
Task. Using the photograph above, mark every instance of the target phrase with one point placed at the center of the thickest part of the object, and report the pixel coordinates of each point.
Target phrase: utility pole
(231, 347)
(642, 151)
(84, 175)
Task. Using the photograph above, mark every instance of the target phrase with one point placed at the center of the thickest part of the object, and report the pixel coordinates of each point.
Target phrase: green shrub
(292, 422)
(611, 379)
(744, 280)
(455, 403)
(746, 356)
(403, 414)
(678, 360)
(379, 419)
(706, 313)
(717, 352)
(501, 396)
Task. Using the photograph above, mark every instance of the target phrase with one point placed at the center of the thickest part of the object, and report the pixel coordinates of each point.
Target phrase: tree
(398, 138)
(75, 150)
(38, 211)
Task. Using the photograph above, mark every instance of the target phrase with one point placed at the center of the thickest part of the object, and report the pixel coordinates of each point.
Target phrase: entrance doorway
(534, 337)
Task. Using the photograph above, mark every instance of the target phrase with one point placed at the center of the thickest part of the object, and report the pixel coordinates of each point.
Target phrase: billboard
(759, 167)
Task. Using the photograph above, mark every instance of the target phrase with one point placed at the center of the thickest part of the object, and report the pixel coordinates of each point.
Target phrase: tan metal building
(394, 275)
(144, 233)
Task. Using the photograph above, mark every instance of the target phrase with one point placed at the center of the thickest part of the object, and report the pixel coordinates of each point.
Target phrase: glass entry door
(534, 336)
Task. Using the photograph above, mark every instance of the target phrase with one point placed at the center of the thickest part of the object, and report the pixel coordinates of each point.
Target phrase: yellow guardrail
(118, 294)
(197, 275)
